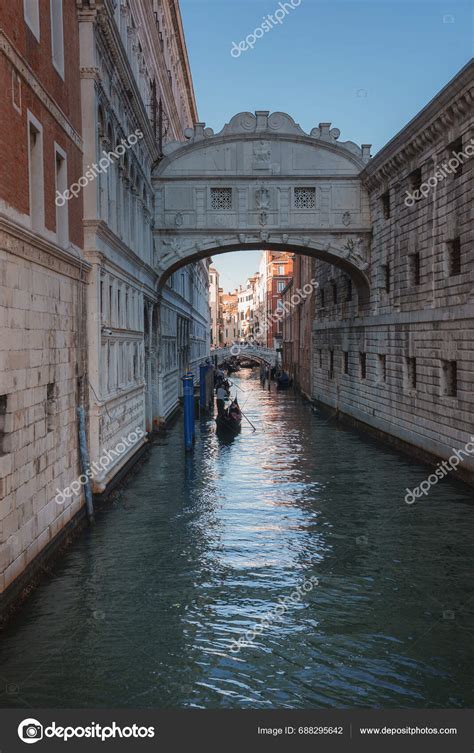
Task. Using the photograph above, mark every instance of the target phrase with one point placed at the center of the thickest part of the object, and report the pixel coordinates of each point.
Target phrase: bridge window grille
(221, 198)
(305, 198)
(363, 365)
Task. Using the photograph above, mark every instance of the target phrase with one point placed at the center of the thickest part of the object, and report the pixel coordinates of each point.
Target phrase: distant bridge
(268, 356)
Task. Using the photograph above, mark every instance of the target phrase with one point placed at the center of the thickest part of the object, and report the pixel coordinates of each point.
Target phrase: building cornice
(106, 234)
(451, 104)
(32, 247)
(184, 58)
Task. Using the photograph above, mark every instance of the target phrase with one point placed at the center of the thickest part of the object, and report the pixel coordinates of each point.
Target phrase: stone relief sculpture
(261, 155)
(262, 200)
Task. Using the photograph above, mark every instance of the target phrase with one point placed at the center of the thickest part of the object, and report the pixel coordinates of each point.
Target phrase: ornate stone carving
(262, 198)
(263, 201)
(261, 122)
(261, 155)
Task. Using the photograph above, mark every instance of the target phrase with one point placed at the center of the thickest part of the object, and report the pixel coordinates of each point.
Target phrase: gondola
(230, 421)
(284, 381)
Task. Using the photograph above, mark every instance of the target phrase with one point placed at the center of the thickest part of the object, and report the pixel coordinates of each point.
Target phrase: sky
(366, 67)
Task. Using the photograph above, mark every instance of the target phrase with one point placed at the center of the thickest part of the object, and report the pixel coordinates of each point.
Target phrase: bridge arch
(266, 356)
(263, 183)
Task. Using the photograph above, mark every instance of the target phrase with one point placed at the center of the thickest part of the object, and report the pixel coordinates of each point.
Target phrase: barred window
(221, 198)
(305, 198)
(449, 378)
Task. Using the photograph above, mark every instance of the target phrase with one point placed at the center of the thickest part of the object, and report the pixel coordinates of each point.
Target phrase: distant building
(299, 297)
(214, 306)
(229, 317)
(246, 308)
(278, 273)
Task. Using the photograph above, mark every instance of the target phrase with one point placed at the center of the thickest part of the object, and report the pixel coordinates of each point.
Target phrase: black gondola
(230, 420)
(284, 381)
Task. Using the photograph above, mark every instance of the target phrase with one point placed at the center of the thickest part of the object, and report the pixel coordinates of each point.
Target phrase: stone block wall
(43, 347)
(406, 366)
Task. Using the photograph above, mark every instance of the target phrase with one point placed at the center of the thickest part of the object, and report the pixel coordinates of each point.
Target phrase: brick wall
(42, 297)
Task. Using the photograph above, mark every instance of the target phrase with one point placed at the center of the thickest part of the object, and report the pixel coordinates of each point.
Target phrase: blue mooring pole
(193, 410)
(188, 404)
(202, 387)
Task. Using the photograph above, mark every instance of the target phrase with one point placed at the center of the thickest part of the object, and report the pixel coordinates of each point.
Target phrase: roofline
(183, 50)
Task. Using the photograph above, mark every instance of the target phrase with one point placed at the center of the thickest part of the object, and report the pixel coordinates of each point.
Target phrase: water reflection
(143, 609)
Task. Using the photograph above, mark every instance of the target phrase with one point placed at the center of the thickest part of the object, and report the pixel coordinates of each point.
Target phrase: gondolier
(230, 419)
(221, 395)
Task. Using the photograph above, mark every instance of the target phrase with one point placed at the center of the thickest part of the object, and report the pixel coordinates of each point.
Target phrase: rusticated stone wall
(406, 368)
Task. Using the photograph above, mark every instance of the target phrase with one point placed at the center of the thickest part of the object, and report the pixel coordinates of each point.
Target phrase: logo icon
(30, 731)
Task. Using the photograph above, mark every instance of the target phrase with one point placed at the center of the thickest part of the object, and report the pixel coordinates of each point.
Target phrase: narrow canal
(143, 609)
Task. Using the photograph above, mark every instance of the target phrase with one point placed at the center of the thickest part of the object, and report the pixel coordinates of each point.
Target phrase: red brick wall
(14, 187)
(273, 295)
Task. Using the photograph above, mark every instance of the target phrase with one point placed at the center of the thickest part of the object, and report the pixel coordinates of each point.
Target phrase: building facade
(246, 308)
(43, 277)
(278, 272)
(229, 305)
(136, 95)
(215, 307)
(404, 367)
(91, 93)
(298, 299)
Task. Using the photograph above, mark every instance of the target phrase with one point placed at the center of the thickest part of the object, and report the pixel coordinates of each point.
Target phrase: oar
(233, 384)
(251, 424)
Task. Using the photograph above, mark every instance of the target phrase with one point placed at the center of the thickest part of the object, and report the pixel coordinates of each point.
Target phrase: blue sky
(366, 67)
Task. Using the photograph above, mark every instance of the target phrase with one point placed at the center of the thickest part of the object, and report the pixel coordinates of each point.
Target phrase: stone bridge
(268, 356)
(263, 183)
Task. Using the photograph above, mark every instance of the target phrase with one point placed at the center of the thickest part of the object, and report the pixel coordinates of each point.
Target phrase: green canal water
(144, 608)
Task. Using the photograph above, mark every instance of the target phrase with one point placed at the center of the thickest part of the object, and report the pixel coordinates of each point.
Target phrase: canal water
(145, 609)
